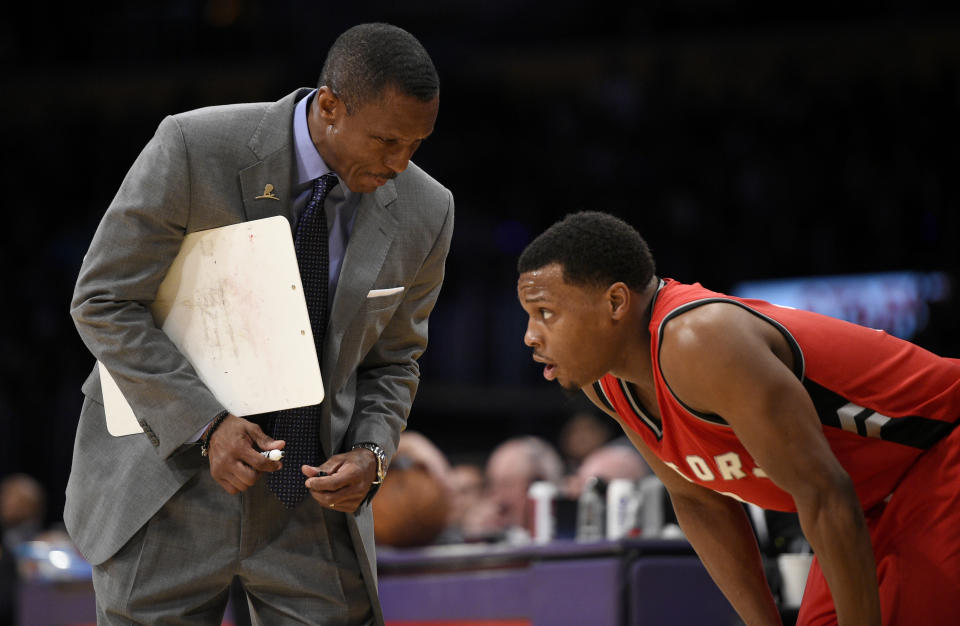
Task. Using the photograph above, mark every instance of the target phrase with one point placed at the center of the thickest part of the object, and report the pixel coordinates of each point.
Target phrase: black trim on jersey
(914, 431)
(652, 423)
(598, 389)
(798, 362)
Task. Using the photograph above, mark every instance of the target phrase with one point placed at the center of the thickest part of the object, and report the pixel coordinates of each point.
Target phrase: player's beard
(572, 392)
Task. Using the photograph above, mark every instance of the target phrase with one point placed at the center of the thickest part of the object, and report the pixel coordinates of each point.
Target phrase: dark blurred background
(745, 140)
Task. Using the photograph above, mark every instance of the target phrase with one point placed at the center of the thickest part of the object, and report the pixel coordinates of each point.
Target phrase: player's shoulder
(713, 316)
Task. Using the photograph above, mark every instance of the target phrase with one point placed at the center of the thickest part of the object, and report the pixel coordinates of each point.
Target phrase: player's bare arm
(722, 359)
(718, 529)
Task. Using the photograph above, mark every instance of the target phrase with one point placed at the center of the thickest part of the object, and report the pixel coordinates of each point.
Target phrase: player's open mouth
(550, 371)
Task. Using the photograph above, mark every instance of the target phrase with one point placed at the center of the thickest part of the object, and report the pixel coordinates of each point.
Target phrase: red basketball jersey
(882, 401)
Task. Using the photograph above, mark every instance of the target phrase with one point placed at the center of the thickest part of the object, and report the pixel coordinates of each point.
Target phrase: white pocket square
(379, 293)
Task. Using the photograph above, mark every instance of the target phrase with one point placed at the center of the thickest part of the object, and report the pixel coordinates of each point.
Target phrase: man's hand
(235, 462)
(348, 480)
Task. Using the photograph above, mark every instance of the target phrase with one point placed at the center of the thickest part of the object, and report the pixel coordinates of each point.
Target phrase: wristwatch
(381, 459)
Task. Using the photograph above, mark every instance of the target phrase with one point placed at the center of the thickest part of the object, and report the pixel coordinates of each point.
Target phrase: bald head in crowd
(609, 462)
(512, 467)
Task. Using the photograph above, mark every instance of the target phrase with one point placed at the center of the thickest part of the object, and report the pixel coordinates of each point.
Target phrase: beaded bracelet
(205, 440)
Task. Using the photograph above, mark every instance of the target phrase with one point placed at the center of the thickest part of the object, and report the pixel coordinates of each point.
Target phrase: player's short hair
(368, 58)
(593, 248)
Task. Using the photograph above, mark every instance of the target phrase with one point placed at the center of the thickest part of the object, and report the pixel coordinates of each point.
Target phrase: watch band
(381, 458)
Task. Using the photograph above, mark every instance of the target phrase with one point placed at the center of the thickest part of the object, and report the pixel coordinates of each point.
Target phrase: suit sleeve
(132, 249)
(388, 376)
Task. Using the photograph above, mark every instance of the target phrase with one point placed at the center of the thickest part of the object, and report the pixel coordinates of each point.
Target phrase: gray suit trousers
(298, 567)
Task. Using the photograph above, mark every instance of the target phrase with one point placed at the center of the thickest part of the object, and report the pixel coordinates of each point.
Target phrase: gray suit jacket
(204, 169)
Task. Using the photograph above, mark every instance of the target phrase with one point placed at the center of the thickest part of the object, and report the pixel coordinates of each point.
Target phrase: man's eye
(545, 314)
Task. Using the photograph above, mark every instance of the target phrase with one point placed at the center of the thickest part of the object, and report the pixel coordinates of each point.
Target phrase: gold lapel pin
(267, 193)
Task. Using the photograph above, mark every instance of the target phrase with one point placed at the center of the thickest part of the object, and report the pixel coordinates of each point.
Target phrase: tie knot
(322, 186)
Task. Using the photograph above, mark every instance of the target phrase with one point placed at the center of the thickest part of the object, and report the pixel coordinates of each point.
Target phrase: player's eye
(546, 314)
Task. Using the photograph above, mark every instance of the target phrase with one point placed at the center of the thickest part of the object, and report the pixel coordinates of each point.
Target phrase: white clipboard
(232, 302)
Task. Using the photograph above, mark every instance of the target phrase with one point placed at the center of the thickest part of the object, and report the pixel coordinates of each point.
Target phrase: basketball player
(735, 400)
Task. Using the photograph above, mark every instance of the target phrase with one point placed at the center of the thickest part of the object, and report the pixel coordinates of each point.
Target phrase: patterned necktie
(300, 427)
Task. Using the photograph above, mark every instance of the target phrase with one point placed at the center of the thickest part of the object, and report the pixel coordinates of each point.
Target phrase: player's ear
(618, 300)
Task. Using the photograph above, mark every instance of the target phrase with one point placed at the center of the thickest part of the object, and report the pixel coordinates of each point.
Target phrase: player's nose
(531, 337)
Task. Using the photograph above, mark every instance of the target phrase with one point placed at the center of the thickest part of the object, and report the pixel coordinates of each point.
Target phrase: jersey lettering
(729, 466)
(677, 470)
(699, 467)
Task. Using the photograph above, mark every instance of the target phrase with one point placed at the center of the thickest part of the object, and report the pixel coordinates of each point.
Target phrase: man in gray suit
(168, 527)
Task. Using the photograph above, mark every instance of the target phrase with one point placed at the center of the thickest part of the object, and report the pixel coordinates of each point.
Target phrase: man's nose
(531, 338)
(398, 159)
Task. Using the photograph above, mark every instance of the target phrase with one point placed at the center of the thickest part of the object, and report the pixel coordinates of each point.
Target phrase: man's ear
(328, 105)
(618, 299)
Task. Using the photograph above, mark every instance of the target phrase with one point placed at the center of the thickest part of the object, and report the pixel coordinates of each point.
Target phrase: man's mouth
(549, 367)
(550, 371)
(383, 178)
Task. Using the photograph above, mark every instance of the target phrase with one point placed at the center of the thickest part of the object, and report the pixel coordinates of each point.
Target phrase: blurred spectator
(466, 520)
(422, 451)
(412, 505)
(512, 467)
(23, 505)
(583, 433)
(614, 460)
(8, 587)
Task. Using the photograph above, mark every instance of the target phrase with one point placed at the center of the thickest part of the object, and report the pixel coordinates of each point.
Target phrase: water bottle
(591, 511)
(542, 522)
(623, 508)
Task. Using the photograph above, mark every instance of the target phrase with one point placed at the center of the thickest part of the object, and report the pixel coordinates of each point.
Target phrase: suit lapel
(267, 185)
(373, 233)
(266, 188)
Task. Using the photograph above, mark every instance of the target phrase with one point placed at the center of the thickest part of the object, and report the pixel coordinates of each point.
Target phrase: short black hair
(593, 248)
(368, 58)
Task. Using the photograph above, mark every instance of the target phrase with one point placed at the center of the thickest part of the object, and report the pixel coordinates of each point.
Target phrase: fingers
(258, 461)
(234, 477)
(343, 490)
(310, 472)
(235, 461)
(263, 441)
(345, 500)
(229, 483)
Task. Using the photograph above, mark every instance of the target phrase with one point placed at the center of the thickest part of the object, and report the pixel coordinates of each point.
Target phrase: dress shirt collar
(310, 164)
